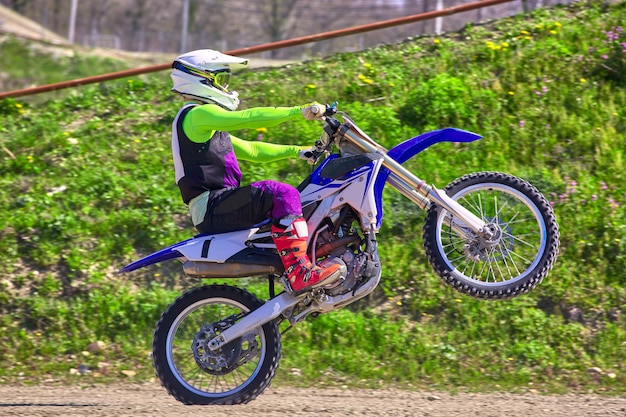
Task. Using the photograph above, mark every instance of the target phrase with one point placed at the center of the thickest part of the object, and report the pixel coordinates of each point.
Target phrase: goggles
(221, 78)
(218, 78)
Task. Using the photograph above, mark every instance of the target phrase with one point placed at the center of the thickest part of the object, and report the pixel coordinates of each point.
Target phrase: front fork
(416, 189)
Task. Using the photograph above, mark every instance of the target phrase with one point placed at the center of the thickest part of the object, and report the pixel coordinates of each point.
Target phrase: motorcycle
(488, 235)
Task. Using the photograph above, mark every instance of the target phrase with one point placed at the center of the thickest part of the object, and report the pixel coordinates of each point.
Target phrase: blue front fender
(411, 147)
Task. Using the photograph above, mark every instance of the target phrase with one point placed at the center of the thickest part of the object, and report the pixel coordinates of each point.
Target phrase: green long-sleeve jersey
(203, 121)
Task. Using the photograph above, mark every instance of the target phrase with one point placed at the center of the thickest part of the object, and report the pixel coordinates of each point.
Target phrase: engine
(344, 240)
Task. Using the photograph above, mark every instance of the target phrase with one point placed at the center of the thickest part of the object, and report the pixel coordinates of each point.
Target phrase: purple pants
(239, 208)
(285, 198)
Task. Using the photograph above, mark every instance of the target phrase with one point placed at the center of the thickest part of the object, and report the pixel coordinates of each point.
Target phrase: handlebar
(331, 126)
(331, 109)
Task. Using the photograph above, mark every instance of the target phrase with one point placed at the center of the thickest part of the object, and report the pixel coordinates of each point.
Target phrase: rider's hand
(308, 155)
(313, 111)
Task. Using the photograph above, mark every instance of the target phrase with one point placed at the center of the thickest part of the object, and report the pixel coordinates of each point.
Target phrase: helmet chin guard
(204, 74)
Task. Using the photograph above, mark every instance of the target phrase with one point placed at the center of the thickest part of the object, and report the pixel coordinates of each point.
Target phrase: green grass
(86, 186)
(25, 64)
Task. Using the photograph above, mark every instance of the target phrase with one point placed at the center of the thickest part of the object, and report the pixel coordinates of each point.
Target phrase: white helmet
(204, 75)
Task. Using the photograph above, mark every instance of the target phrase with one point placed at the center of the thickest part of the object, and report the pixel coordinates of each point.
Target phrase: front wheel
(519, 254)
(192, 373)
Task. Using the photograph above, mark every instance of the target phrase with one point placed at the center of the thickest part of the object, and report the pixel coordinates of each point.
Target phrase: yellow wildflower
(365, 79)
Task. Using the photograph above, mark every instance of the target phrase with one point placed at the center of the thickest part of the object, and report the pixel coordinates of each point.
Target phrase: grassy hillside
(86, 185)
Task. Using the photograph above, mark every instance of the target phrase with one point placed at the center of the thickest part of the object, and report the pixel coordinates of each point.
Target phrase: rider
(205, 160)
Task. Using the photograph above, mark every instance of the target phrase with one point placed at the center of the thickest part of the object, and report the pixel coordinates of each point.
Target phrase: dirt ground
(152, 400)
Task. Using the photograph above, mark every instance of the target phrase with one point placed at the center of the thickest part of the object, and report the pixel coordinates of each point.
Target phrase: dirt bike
(488, 235)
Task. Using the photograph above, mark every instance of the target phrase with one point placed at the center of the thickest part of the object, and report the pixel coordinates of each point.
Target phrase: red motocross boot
(302, 275)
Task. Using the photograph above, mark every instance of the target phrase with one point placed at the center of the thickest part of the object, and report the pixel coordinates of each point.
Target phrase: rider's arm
(262, 151)
(202, 120)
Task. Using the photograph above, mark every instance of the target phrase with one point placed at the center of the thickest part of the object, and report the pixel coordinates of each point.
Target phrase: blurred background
(172, 26)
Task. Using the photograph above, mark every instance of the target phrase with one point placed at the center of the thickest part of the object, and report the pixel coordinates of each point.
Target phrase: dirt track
(152, 400)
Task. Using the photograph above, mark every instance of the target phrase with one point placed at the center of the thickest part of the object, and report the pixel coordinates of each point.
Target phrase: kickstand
(272, 289)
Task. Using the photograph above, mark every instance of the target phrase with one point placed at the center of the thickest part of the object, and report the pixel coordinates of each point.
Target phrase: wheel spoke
(505, 256)
(519, 241)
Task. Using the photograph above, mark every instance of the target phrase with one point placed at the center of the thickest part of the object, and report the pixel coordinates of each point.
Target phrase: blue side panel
(160, 256)
(411, 147)
(316, 177)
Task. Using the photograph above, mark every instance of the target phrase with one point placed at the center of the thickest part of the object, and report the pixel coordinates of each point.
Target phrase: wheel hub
(220, 361)
(492, 244)
(227, 358)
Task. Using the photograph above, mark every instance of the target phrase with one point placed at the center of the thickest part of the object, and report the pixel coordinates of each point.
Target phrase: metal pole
(261, 48)
(439, 20)
(185, 25)
(70, 35)
(44, 23)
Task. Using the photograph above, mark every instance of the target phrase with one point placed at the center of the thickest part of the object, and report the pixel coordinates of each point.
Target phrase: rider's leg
(243, 207)
(285, 198)
(290, 236)
(235, 209)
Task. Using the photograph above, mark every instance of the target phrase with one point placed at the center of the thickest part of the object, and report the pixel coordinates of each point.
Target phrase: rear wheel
(190, 371)
(524, 243)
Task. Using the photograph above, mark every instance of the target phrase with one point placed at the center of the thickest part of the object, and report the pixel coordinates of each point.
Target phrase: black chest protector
(201, 167)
